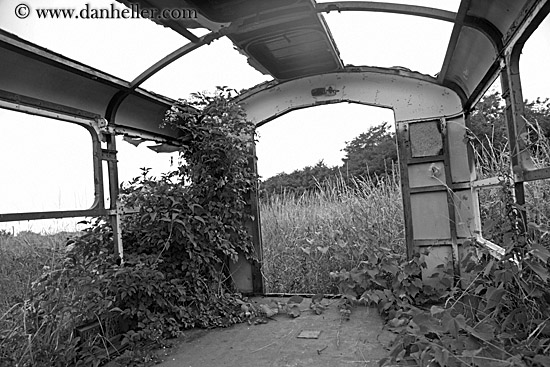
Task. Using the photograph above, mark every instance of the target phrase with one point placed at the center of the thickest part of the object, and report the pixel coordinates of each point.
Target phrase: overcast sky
(49, 164)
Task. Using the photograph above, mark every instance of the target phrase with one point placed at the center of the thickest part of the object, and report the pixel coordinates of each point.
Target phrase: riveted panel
(426, 174)
(426, 139)
(430, 215)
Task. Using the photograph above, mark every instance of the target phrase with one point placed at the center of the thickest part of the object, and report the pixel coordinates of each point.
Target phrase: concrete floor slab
(359, 341)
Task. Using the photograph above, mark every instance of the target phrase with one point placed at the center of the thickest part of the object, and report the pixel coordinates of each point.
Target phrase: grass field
(307, 237)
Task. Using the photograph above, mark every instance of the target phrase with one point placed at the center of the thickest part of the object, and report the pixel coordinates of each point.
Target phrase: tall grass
(306, 237)
(23, 258)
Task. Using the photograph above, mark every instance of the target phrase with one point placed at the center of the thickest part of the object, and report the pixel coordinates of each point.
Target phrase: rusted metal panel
(413, 96)
(426, 174)
(426, 139)
(430, 216)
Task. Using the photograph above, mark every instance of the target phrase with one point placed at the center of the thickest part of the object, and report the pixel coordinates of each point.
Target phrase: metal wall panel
(426, 174)
(430, 217)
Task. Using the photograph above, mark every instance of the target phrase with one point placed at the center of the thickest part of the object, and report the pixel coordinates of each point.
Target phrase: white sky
(47, 163)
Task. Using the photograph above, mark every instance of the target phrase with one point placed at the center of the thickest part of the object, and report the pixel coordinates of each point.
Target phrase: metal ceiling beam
(168, 59)
(117, 99)
(457, 29)
(420, 11)
(482, 25)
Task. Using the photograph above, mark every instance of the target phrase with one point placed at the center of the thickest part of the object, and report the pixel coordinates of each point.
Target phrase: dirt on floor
(320, 340)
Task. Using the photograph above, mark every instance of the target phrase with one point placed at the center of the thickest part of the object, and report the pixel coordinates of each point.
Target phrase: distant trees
(299, 181)
(374, 152)
(371, 153)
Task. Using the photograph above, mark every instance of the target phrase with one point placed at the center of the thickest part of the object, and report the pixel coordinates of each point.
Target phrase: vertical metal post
(451, 200)
(516, 127)
(114, 207)
(403, 152)
(255, 228)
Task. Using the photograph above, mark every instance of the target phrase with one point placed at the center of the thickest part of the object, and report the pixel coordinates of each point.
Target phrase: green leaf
(493, 297)
(436, 310)
(542, 360)
(540, 252)
(483, 331)
(539, 270)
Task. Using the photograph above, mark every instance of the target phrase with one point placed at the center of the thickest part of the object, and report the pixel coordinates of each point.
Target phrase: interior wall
(440, 207)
